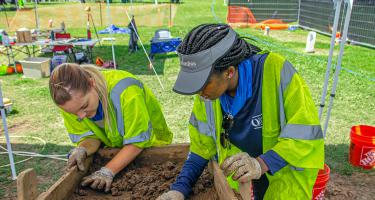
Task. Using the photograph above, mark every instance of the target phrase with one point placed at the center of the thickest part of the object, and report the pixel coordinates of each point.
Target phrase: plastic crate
(36, 67)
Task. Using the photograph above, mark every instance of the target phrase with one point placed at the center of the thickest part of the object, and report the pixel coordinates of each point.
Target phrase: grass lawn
(35, 115)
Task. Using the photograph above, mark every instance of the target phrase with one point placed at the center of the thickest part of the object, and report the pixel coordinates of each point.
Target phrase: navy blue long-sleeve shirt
(246, 134)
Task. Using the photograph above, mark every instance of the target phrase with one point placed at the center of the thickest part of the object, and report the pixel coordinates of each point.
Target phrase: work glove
(243, 167)
(100, 179)
(171, 195)
(77, 156)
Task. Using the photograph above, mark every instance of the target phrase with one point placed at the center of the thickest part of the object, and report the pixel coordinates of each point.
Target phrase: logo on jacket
(257, 121)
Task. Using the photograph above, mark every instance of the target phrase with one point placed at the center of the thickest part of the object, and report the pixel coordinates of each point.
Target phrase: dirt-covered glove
(77, 156)
(99, 179)
(171, 195)
(243, 167)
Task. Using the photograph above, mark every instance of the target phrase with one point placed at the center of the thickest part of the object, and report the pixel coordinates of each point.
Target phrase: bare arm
(126, 155)
(263, 165)
(91, 145)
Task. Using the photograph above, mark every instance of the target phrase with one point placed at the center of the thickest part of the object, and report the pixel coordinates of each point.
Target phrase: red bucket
(321, 183)
(362, 146)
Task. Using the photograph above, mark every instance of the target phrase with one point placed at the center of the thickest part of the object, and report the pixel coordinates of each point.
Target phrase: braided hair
(205, 36)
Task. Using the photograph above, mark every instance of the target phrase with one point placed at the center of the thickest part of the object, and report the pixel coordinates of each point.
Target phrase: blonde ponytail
(73, 77)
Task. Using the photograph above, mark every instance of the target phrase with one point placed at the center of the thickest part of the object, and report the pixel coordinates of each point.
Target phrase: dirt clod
(81, 192)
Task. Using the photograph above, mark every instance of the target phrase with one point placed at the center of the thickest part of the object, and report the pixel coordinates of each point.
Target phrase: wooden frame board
(64, 187)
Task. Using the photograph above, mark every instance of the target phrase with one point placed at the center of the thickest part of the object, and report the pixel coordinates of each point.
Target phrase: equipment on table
(62, 26)
(24, 35)
(5, 38)
(163, 42)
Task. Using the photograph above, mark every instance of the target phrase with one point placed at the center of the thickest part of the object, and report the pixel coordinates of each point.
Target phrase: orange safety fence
(241, 16)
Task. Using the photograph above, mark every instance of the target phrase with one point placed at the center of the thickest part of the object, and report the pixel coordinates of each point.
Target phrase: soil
(19, 127)
(146, 182)
(358, 186)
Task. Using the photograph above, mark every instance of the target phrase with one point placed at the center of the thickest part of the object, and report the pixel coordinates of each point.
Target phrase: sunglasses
(227, 126)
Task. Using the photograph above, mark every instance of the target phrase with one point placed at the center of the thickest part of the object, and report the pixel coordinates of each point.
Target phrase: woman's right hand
(77, 156)
(171, 195)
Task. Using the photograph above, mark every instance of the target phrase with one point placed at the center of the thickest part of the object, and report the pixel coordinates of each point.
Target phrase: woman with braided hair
(112, 108)
(252, 113)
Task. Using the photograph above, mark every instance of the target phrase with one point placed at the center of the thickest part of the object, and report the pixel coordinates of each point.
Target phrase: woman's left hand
(99, 179)
(243, 167)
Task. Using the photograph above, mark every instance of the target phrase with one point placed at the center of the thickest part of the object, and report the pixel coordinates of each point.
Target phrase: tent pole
(109, 13)
(16, 4)
(9, 146)
(329, 64)
(148, 57)
(101, 15)
(113, 53)
(36, 15)
(339, 61)
(170, 13)
(299, 11)
(131, 7)
(6, 15)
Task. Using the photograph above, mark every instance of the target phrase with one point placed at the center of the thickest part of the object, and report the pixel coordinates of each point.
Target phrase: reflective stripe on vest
(286, 76)
(202, 127)
(304, 132)
(76, 138)
(141, 137)
(206, 128)
(210, 115)
(116, 100)
(295, 131)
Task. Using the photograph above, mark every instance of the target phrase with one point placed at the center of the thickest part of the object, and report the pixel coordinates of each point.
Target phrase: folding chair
(63, 49)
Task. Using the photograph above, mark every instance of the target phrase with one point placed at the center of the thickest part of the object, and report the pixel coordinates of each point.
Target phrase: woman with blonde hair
(110, 107)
